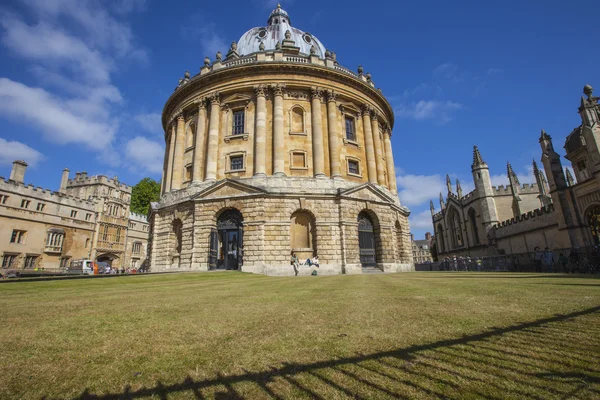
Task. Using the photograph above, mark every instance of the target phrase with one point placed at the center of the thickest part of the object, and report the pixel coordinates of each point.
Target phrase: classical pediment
(235, 98)
(227, 188)
(367, 191)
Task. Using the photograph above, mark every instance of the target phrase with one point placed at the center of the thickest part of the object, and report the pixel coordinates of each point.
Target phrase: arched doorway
(593, 219)
(366, 241)
(230, 240)
(107, 259)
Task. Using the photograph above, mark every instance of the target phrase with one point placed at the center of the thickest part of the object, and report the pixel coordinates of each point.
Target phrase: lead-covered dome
(277, 25)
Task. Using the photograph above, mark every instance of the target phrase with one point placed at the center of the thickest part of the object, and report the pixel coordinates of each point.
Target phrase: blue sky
(82, 83)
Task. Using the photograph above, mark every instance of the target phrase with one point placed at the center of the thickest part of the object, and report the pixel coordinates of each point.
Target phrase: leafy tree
(143, 193)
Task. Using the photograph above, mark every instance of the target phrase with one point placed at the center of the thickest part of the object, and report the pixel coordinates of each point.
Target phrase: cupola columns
(171, 153)
(199, 145)
(260, 144)
(334, 142)
(317, 133)
(378, 153)
(213, 138)
(179, 150)
(278, 145)
(371, 168)
(389, 158)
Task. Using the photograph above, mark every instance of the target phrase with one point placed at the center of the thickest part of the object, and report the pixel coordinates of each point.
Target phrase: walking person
(537, 259)
(548, 260)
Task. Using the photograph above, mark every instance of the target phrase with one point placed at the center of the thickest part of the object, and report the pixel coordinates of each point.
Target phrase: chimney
(64, 180)
(77, 175)
(18, 171)
(428, 236)
(412, 237)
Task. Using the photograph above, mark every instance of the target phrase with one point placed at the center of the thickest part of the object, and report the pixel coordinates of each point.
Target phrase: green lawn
(233, 335)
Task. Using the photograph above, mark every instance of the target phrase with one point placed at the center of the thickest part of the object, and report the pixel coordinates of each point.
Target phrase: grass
(233, 335)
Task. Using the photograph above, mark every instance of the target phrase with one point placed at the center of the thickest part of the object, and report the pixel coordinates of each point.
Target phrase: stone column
(260, 139)
(389, 158)
(213, 138)
(318, 153)
(171, 157)
(278, 144)
(371, 168)
(199, 145)
(378, 152)
(334, 139)
(178, 158)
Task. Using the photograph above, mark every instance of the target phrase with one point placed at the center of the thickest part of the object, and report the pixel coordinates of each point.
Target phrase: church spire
(448, 183)
(431, 207)
(477, 159)
(512, 177)
(570, 180)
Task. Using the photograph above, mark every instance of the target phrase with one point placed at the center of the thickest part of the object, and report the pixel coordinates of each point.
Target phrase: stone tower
(483, 187)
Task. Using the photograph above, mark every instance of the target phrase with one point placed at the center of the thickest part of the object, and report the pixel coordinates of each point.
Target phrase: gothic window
(118, 235)
(54, 240)
(594, 224)
(238, 122)
(455, 229)
(440, 239)
(350, 129)
(473, 220)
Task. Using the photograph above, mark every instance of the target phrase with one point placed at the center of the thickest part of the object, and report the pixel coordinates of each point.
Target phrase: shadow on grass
(528, 360)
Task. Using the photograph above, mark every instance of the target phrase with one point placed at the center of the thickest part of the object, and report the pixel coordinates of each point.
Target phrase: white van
(85, 267)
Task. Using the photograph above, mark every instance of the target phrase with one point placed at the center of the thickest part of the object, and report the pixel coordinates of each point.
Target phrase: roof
(274, 32)
(421, 243)
(573, 141)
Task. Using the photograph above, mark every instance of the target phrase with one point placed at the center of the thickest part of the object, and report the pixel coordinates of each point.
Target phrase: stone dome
(277, 25)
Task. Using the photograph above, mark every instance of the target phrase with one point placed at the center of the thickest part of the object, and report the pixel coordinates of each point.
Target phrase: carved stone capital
(366, 109)
(374, 115)
(201, 103)
(316, 93)
(260, 90)
(278, 90)
(331, 95)
(214, 98)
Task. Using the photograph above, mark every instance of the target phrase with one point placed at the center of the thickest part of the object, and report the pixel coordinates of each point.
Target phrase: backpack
(314, 273)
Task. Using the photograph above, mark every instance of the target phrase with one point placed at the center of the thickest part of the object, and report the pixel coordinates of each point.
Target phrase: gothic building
(560, 212)
(276, 149)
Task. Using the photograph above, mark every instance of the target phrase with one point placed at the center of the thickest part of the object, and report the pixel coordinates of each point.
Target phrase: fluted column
(378, 151)
(260, 135)
(278, 145)
(334, 137)
(213, 138)
(318, 153)
(199, 145)
(389, 158)
(178, 157)
(371, 168)
(169, 178)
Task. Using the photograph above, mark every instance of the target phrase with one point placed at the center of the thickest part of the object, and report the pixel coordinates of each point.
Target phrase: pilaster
(213, 137)
(317, 133)
(334, 139)
(371, 168)
(179, 149)
(199, 144)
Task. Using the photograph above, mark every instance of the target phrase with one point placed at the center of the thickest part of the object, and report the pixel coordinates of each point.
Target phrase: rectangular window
(40, 206)
(137, 248)
(350, 132)
(25, 203)
(237, 162)
(88, 216)
(353, 167)
(118, 235)
(238, 122)
(3, 198)
(188, 173)
(30, 261)
(298, 160)
(105, 233)
(9, 261)
(73, 214)
(131, 225)
(18, 236)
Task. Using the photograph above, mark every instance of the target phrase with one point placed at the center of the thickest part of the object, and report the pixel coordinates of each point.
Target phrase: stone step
(371, 270)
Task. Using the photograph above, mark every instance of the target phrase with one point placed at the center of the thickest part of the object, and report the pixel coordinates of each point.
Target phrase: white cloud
(428, 109)
(13, 150)
(445, 70)
(421, 220)
(493, 71)
(150, 122)
(417, 189)
(145, 155)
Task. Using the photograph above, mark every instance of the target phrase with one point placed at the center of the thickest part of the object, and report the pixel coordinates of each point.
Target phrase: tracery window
(473, 219)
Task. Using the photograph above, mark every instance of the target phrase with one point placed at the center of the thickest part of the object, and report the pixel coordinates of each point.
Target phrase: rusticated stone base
(266, 206)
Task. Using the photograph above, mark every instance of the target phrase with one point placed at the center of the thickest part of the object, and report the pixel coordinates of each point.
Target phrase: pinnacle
(477, 159)
(570, 179)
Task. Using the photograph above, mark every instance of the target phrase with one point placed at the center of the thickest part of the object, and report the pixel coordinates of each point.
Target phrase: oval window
(307, 38)
(262, 33)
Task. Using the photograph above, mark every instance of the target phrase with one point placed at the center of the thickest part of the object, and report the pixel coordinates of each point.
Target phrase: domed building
(276, 149)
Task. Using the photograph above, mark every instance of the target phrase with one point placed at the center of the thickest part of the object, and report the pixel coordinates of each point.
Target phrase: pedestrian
(562, 260)
(295, 263)
(537, 259)
(548, 260)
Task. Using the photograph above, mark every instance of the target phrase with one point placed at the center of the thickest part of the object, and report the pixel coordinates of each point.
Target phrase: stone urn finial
(278, 46)
(333, 56)
(187, 74)
(206, 61)
(327, 54)
(261, 46)
(313, 50)
(360, 70)
(180, 81)
(588, 90)
(219, 56)
(233, 46)
(368, 76)
(288, 35)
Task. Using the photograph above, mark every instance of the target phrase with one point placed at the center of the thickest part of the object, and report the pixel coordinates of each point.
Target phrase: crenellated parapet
(525, 188)
(82, 179)
(543, 211)
(40, 194)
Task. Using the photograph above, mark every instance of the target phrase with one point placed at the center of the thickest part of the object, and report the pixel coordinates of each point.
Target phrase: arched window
(302, 234)
(177, 225)
(297, 120)
(440, 239)
(190, 134)
(455, 228)
(54, 240)
(473, 220)
(594, 223)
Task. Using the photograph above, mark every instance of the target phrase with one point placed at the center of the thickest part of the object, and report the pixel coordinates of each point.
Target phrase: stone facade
(87, 218)
(421, 249)
(274, 152)
(560, 212)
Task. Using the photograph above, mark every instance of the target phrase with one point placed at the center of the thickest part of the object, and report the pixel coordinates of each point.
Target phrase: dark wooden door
(366, 242)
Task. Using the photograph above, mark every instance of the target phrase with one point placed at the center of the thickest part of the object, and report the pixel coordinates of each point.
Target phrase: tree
(142, 194)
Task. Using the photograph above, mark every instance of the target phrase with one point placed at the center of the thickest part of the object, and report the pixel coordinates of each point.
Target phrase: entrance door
(366, 241)
(230, 233)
